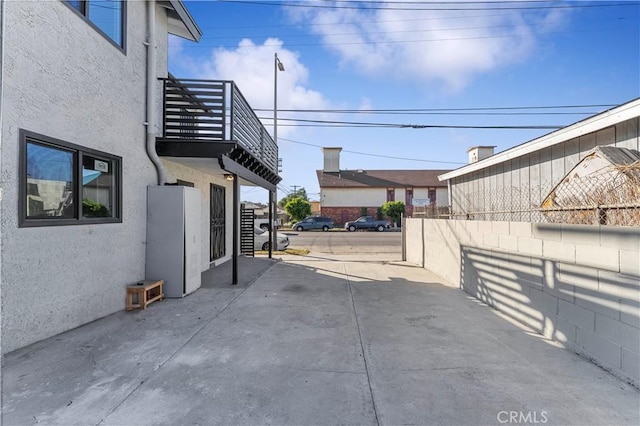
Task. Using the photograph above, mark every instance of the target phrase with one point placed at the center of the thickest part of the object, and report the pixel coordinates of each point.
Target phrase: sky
(424, 80)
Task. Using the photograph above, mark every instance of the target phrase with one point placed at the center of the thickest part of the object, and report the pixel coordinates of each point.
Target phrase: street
(336, 242)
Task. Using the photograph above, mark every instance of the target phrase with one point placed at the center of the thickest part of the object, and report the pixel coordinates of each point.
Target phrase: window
(105, 15)
(65, 184)
(391, 194)
(408, 196)
(432, 196)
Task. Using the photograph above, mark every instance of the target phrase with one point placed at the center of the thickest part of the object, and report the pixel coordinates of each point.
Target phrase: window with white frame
(108, 16)
(66, 184)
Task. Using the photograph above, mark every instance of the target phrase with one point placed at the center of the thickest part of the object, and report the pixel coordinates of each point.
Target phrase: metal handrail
(215, 110)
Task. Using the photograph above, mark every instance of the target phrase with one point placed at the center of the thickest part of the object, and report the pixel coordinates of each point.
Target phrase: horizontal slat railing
(215, 110)
(249, 131)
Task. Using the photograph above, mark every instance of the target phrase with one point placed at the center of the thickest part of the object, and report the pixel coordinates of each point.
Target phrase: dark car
(367, 223)
(314, 222)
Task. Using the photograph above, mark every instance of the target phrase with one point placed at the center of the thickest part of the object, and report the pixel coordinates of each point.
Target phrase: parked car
(264, 223)
(313, 222)
(367, 222)
(261, 240)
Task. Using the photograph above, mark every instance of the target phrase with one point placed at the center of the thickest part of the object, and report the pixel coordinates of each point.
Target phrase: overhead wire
(440, 5)
(333, 24)
(383, 42)
(456, 111)
(415, 30)
(474, 111)
(373, 155)
(335, 123)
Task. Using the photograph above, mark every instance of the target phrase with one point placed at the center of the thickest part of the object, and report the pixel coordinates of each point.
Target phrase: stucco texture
(64, 80)
(202, 182)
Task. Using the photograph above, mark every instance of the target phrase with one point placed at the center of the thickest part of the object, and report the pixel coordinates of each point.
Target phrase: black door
(217, 214)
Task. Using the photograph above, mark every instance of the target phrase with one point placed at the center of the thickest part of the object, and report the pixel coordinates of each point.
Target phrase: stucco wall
(202, 182)
(348, 197)
(375, 197)
(442, 197)
(65, 80)
(576, 284)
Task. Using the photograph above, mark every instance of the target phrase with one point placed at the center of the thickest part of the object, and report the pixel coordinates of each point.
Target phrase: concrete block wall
(576, 284)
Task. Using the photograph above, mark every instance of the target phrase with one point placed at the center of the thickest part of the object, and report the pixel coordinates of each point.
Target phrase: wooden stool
(147, 291)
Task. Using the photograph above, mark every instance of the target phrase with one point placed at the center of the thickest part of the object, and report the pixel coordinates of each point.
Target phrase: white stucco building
(84, 133)
(347, 194)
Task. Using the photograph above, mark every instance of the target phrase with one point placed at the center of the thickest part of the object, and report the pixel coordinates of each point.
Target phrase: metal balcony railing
(215, 110)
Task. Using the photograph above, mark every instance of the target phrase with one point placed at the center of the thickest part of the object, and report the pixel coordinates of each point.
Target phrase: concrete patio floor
(310, 340)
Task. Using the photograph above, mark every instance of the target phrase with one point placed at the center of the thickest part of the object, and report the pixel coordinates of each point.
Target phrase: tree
(393, 209)
(298, 209)
(300, 193)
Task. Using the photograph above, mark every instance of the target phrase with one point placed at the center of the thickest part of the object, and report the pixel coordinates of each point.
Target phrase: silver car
(261, 240)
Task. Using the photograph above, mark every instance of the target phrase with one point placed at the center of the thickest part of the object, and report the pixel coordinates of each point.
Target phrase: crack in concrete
(364, 355)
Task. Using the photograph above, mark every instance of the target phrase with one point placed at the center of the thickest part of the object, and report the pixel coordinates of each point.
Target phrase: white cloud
(450, 47)
(251, 66)
(365, 104)
(178, 57)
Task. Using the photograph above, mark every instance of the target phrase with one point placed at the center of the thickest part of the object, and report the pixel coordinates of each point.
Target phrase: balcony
(212, 119)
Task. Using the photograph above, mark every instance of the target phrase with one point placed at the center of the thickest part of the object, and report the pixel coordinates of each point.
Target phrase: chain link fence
(610, 197)
(431, 212)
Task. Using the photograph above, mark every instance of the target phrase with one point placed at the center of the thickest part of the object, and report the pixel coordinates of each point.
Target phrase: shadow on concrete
(249, 270)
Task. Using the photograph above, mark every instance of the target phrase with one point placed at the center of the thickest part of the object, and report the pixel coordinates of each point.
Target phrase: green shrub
(92, 208)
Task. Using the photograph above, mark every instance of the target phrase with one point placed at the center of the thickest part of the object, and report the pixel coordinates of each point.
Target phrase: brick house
(348, 194)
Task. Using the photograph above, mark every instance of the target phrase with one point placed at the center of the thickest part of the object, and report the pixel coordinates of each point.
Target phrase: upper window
(106, 15)
(65, 184)
(391, 194)
(408, 196)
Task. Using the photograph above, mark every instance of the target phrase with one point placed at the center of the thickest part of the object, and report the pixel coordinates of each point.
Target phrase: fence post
(403, 234)
(601, 216)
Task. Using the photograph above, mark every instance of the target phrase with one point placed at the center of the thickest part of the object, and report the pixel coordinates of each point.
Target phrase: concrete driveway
(310, 340)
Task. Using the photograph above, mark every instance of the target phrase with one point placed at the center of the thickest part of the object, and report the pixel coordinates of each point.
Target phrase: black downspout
(236, 227)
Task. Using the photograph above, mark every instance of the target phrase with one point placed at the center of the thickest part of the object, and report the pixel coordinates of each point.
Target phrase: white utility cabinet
(174, 238)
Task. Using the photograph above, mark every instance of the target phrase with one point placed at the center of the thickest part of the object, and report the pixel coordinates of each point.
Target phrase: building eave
(181, 23)
(592, 124)
(379, 179)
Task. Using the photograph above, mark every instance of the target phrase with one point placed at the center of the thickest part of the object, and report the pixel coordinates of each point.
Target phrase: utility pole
(295, 189)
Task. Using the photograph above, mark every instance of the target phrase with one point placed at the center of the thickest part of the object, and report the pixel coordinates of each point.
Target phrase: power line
(332, 123)
(418, 30)
(455, 111)
(333, 24)
(374, 155)
(511, 110)
(284, 189)
(382, 42)
(440, 5)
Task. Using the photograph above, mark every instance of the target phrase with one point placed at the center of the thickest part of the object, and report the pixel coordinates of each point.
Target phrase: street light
(277, 66)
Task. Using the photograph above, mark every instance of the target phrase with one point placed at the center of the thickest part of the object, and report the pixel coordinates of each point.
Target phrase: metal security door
(217, 224)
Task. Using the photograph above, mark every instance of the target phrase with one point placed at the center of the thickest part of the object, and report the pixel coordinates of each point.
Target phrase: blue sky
(438, 56)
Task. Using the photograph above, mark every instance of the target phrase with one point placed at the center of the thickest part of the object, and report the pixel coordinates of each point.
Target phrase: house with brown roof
(348, 194)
